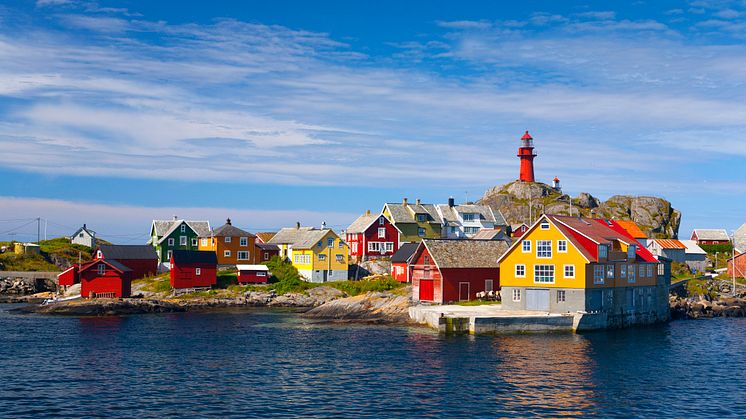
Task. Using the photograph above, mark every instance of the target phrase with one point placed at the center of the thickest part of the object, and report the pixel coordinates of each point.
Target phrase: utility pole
(38, 230)
(733, 262)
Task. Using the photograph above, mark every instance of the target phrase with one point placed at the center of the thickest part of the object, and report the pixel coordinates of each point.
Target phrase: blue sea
(276, 364)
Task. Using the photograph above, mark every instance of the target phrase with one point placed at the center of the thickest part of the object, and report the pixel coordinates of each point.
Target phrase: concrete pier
(489, 319)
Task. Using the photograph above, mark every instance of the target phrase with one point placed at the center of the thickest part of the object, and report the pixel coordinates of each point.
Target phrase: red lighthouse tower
(526, 154)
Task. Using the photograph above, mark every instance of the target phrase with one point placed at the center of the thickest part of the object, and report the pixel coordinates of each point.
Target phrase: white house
(84, 236)
(466, 220)
(694, 256)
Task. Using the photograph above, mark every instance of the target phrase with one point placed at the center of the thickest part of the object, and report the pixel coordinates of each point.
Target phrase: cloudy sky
(115, 113)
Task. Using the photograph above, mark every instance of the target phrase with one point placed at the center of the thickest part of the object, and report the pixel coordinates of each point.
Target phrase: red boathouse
(105, 279)
(142, 259)
(252, 274)
(68, 277)
(444, 271)
(193, 269)
(400, 262)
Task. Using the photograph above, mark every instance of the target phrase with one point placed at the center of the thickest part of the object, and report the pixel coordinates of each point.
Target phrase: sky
(117, 113)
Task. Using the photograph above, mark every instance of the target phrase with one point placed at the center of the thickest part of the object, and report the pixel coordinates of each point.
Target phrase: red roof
(526, 136)
(556, 179)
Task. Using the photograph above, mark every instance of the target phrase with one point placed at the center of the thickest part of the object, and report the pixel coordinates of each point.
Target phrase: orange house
(231, 244)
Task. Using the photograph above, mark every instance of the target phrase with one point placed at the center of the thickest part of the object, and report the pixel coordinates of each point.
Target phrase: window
(261, 274)
(340, 258)
(101, 269)
(330, 242)
(544, 274)
(543, 248)
(341, 244)
(469, 217)
(381, 221)
(204, 242)
(421, 218)
(598, 274)
(488, 285)
(194, 242)
(354, 247)
(322, 257)
(569, 271)
(381, 233)
(520, 271)
(227, 253)
(389, 246)
(198, 271)
(610, 271)
(183, 228)
(99, 255)
(453, 230)
(81, 235)
(545, 225)
(426, 260)
(623, 271)
(650, 270)
(603, 251)
(661, 269)
(319, 245)
(560, 296)
(227, 239)
(243, 241)
(374, 246)
(306, 259)
(421, 232)
(471, 230)
(296, 258)
(266, 255)
(631, 274)
(642, 272)
(168, 254)
(426, 273)
(561, 246)
(516, 295)
(526, 246)
(171, 242)
(182, 240)
(631, 251)
(242, 255)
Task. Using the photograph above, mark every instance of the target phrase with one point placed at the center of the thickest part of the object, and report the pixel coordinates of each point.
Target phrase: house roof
(311, 238)
(711, 234)
(124, 252)
(669, 244)
(86, 229)
(288, 235)
(692, 248)
(405, 252)
(401, 213)
(488, 233)
(362, 223)
(252, 267)
(465, 253)
(267, 246)
(300, 237)
(113, 263)
(194, 256)
(265, 236)
(515, 227)
(201, 228)
(228, 230)
(632, 228)
(450, 213)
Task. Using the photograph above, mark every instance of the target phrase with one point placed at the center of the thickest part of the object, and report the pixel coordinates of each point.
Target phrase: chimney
(417, 201)
(451, 201)
(297, 225)
(175, 218)
(83, 225)
(367, 212)
(404, 201)
(228, 221)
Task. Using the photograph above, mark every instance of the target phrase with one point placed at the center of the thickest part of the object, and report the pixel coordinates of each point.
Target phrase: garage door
(426, 290)
(537, 300)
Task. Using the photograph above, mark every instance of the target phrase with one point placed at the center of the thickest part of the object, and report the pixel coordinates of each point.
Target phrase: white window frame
(623, 271)
(243, 241)
(183, 228)
(526, 246)
(599, 274)
(572, 271)
(266, 255)
(469, 216)
(561, 296)
(544, 225)
(183, 240)
(374, 247)
(261, 274)
(381, 220)
(610, 268)
(198, 271)
(546, 269)
(641, 273)
(322, 257)
(389, 247)
(650, 270)
(382, 233)
(204, 242)
(354, 247)
(101, 269)
(330, 242)
(543, 249)
(340, 258)
(227, 253)
(561, 246)
(520, 267)
(603, 251)
(516, 294)
(194, 242)
(227, 239)
(171, 241)
(239, 254)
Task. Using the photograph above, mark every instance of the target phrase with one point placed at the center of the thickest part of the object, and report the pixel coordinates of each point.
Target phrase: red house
(252, 274)
(400, 262)
(518, 230)
(193, 269)
(68, 277)
(372, 237)
(142, 259)
(739, 264)
(444, 271)
(103, 278)
(264, 251)
(710, 236)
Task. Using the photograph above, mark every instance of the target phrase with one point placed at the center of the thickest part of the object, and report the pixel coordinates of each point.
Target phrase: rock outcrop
(15, 287)
(371, 307)
(521, 202)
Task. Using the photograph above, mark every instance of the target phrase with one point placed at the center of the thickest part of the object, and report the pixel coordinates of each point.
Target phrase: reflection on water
(271, 364)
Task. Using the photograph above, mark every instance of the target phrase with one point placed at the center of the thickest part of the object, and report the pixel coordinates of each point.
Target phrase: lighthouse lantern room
(526, 154)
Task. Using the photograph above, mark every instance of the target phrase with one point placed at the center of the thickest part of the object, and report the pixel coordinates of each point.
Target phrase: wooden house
(320, 255)
(710, 236)
(102, 278)
(518, 230)
(739, 264)
(84, 236)
(400, 262)
(142, 259)
(444, 271)
(193, 269)
(68, 277)
(231, 244)
(372, 236)
(265, 251)
(252, 274)
(466, 220)
(169, 235)
(414, 221)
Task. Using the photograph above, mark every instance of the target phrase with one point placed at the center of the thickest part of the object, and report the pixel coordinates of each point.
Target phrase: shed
(68, 277)
(193, 269)
(400, 262)
(252, 274)
(105, 279)
(142, 259)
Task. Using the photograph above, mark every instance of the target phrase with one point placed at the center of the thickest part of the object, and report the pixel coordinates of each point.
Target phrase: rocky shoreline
(700, 307)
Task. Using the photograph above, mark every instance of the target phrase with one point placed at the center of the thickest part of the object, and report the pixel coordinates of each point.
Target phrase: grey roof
(288, 235)
(740, 238)
(310, 239)
(228, 230)
(131, 251)
(406, 250)
(300, 238)
(267, 246)
(465, 253)
(450, 213)
(87, 230)
(711, 234)
(362, 223)
(401, 213)
(201, 228)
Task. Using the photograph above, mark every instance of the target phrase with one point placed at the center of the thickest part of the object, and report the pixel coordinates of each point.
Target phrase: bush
(360, 287)
(285, 277)
(225, 279)
(717, 248)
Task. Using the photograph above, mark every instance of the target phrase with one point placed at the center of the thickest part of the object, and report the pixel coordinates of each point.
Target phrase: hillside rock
(522, 202)
(373, 307)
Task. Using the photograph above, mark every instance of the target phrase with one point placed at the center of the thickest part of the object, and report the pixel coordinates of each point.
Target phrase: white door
(537, 299)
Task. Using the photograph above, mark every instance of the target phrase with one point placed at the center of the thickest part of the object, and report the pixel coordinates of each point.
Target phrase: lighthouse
(526, 154)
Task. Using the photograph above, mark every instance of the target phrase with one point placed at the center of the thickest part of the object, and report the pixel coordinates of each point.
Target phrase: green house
(169, 235)
(415, 221)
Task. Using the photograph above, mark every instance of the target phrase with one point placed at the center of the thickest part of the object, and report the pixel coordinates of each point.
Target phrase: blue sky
(115, 113)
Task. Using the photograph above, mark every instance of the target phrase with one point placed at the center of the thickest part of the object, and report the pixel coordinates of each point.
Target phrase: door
(427, 290)
(463, 291)
(488, 285)
(537, 300)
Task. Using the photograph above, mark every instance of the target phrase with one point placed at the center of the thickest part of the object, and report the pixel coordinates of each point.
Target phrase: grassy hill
(56, 255)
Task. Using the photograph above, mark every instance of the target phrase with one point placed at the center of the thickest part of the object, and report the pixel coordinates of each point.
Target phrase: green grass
(477, 303)
(159, 284)
(361, 287)
(225, 279)
(29, 263)
(699, 287)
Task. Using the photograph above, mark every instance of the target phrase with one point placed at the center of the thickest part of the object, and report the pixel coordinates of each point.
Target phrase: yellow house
(568, 264)
(320, 255)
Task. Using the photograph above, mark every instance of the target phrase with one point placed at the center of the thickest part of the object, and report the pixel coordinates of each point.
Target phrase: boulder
(586, 200)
